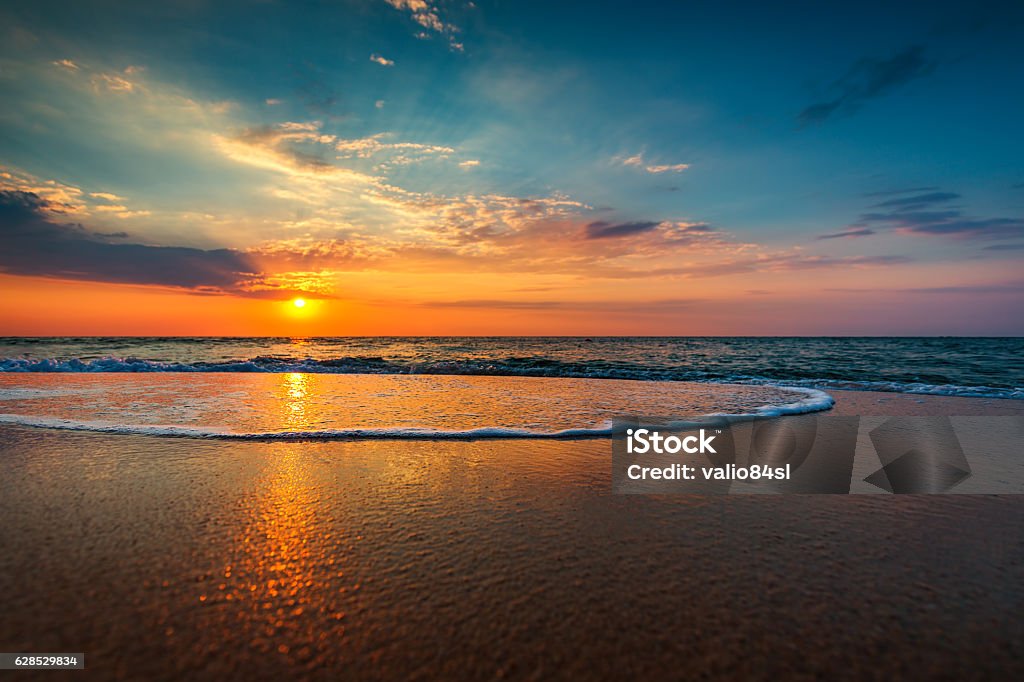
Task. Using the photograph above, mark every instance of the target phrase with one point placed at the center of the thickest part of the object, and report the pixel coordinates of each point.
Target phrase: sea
(467, 387)
(978, 367)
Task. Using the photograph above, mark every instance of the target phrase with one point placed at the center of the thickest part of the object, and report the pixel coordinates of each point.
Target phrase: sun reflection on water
(296, 402)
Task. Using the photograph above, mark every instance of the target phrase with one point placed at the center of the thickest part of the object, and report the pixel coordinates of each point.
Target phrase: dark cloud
(604, 230)
(35, 246)
(867, 79)
(949, 223)
(929, 214)
(861, 232)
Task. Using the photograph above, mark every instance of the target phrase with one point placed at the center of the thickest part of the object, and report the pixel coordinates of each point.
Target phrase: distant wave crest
(510, 366)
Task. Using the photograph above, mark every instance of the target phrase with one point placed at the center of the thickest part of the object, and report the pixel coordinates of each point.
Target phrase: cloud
(931, 214)
(36, 246)
(296, 149)
(66, 64)
(670, 168)
(116, 82)
(379, 104)
(365, 147)
(377, 59)
(469, 163)
(427, 16)
(867, 79)
(918, 201)
(604, 230)
(637, 161)
(860, 232)
(272, 101)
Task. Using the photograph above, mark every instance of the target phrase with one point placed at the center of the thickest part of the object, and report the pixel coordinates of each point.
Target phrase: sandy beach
(438, 340)
(171, 558)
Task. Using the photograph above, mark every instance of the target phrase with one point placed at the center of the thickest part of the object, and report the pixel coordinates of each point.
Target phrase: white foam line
(814, 401)
(407, 433)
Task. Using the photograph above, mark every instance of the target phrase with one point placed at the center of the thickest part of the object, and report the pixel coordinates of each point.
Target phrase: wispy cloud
(383, 61)
(637, 161)
(427, 15)
(918, 201)
(848, 234)
(867, 79)
(379, 143)
(931, 214)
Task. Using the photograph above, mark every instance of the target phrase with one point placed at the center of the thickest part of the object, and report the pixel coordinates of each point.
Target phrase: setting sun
(299, 303)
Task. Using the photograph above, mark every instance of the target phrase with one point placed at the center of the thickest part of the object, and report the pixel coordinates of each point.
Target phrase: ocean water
(980, 367)
(304, 406)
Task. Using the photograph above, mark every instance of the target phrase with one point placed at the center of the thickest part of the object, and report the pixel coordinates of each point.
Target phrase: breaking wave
(510, 366)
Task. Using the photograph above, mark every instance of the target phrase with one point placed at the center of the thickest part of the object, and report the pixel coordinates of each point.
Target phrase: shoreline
(176, 558)
(846, 403)
(884, 403)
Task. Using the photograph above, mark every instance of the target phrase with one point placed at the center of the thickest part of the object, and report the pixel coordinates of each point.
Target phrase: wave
(219, 433)
(812, 401)
(510, 366)
(915, 388)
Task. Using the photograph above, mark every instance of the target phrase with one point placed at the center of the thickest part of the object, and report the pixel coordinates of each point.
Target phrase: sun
(299, 303)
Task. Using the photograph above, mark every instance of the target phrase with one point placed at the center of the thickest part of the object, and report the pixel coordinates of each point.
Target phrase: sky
(432, 167)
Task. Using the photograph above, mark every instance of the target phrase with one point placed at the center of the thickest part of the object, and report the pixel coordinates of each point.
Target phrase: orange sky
(39, 306)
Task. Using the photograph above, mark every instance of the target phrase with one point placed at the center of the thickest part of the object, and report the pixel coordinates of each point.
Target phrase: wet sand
(173, 558)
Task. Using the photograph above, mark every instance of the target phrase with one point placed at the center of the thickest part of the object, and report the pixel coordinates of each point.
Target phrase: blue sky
(323, 139)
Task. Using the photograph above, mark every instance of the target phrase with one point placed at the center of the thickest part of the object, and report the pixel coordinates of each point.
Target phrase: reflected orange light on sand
(283, 559)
